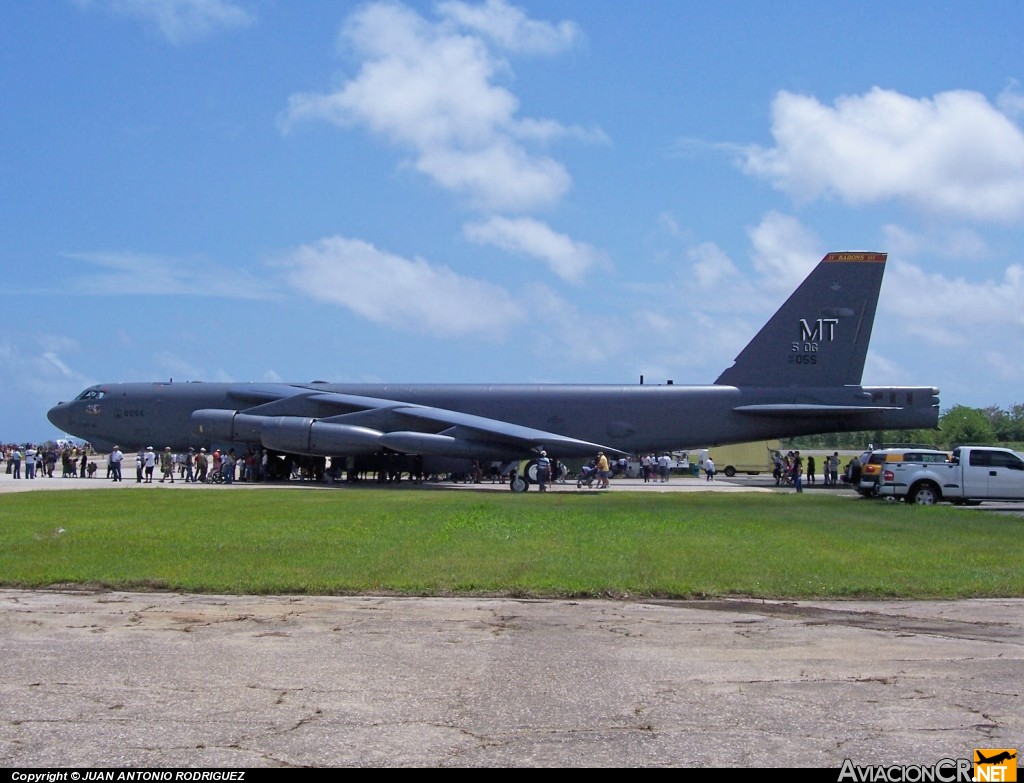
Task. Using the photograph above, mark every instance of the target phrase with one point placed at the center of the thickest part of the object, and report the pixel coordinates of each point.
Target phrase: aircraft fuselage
(629, 419)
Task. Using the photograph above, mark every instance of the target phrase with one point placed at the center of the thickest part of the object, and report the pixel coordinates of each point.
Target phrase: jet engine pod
(303, 435)
(214, 425)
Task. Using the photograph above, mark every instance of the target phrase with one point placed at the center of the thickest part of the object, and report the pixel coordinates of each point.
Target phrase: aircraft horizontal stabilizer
(782, 409)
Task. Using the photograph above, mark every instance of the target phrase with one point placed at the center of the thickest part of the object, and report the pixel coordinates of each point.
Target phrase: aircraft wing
(471, 427)
(324, 422)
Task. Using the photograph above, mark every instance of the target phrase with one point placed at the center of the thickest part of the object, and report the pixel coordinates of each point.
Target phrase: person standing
(115, 463)
(227, 466)
(709, 469)
(150, 464)
(810, 469)
(30, 462)
(189, 464)
(543, 471)
(664, 466)
(140, 460)
(602, 471)
(202, 465)
(166, 465)
(797, 472)
(16, 463)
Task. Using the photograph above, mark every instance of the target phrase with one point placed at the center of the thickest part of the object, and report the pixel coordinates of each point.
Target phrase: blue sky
(498, 192)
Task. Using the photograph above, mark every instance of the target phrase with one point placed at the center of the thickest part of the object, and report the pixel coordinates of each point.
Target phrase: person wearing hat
(115, 462)
(543, 471)
(149, 460)
(202, 465)
(166, 465)
(190, 476)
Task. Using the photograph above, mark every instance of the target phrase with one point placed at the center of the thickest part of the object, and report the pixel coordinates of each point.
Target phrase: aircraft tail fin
(820, 336)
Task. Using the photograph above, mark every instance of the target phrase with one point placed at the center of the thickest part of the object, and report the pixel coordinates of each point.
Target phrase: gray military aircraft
(799, 375)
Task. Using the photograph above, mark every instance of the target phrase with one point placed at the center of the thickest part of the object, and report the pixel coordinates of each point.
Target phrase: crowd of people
(790, 470)
(192, 467)
(29, 461)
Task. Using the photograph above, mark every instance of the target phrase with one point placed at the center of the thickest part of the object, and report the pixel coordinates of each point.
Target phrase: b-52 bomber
(800, 375)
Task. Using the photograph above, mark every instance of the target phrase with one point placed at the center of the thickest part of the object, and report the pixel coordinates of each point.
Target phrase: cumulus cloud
(1011, 100)
(510, 28)
(953, 154)
(943, 311)
(432, 87)
(785, 251)
(184, 21)
(959, 244)
(963, 331)
(711, 267)
(567, 258)
(407, 294)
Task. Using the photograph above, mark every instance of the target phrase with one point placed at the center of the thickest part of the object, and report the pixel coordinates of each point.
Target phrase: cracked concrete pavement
(166, 680)
(162, 679)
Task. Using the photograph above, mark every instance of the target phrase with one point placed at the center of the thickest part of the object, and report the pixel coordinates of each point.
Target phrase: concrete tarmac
(168, 680)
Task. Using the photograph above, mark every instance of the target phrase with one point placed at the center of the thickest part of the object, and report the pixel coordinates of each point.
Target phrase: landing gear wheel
(530, 472)
(518, 483)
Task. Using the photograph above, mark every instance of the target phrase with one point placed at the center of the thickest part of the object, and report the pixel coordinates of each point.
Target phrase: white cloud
(959, 244)
(954, 154)
(510, 28)
(35, 377)
(1011, 100)
(568, 259)
(411, 295)
(785, 251)
(941, 311)
(120, 274)
(184, 21)
(711, 266)
(432, 87)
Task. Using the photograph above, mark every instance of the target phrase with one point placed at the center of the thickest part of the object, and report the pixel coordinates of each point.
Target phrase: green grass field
(432, 543)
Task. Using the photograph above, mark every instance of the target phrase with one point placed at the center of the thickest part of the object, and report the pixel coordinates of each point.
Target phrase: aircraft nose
(60, 416)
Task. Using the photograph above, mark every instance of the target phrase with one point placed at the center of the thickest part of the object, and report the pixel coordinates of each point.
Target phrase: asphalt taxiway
(99, 678)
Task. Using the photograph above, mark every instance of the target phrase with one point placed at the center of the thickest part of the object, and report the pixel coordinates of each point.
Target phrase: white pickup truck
(974, 473)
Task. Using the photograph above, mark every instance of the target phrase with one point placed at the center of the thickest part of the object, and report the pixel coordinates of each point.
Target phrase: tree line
(957, 425)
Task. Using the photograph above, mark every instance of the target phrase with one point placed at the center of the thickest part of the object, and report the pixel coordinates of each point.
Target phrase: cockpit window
(91, 394)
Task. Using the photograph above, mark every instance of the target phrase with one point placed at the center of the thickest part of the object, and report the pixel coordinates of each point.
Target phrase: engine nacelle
(304, 435)
(221, 426)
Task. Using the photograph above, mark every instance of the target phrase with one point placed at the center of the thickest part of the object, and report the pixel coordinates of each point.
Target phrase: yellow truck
(750, 458)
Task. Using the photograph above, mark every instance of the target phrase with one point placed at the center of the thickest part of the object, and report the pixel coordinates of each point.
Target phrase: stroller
(586, 476)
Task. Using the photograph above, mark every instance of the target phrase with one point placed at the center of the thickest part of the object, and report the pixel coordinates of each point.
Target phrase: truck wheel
(518, 484)
(730, 471)
(924, 495)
